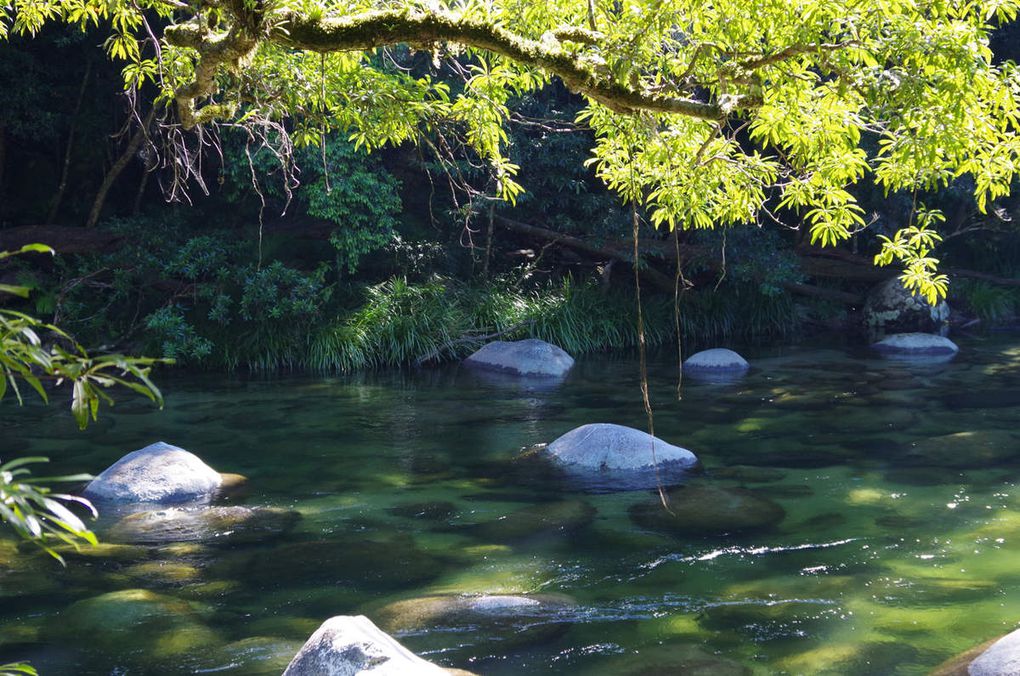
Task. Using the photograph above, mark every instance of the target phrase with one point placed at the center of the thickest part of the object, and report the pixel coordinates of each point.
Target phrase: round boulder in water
(709, 510)
(603, 456)
(925, 346)
(530, 357)
(717, 363)
(159, 473)
(513, 619)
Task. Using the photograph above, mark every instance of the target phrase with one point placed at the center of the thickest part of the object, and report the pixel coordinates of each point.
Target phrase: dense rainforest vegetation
(331, 187)
(221, 253)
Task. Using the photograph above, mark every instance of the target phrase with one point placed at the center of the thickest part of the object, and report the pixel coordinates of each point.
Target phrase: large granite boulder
(607, 457)
(346, 645)
(892, 308)
(709, 510)
(925, 346)
(995, 658)
(522, 357)
(715, 364)
(509, 619)
(157, 473)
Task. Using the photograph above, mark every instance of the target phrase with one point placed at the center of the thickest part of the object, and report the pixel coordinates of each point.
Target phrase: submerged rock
(253, 656)
(347, 645)
(522, 357)
(602, 456)
(717, 363)
(979, 448)
(512, 619)
(544, 519)
(204, 524)
(136, 625)
(892, 307)
(749, 474)
(157, 473)
(439, 510)
(709, 510)
(386, 563)
(670, 658)
(924, 346)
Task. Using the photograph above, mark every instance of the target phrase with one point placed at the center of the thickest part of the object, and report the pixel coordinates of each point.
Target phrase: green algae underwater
(856, 516)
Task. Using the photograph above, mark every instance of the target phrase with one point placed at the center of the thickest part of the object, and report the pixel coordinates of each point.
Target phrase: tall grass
(399, 323)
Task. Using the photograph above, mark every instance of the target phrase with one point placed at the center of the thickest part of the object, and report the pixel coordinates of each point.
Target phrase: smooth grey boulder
(1001, 659)
(529, 357)
(995, 658)
(346, 645)
(604, 456)
(890, 307)
(916, 345)
(716, 363)
(157, 473)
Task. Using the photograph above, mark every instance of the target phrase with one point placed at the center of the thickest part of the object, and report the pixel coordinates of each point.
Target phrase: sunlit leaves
(36, 513)
(912, 247)
(25, 359)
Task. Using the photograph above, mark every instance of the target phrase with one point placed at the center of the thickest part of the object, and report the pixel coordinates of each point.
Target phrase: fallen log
(651, 274)
(68, 240)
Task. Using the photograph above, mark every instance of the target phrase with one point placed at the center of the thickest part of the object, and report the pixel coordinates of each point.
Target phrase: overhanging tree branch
(374, 29)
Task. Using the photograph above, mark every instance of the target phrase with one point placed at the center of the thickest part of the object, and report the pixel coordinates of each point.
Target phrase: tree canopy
(706, 113)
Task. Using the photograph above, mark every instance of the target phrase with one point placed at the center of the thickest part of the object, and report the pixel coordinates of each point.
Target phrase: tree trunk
(3, 161)
(488, 241)
(134, 143)
(65, 169)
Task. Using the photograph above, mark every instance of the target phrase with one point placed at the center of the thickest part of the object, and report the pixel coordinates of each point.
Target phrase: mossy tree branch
(421, 30)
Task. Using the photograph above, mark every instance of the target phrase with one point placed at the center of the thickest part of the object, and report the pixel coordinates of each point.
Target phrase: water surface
(898, 549)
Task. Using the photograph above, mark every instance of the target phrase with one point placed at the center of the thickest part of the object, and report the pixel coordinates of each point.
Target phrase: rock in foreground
(347, 645)
(522, 357)
(907, 345)
(157, 473)
(608, 457)
(995, 658)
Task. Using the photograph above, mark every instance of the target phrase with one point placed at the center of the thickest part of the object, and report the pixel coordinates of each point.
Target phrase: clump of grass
(400, 323)
(988, 302)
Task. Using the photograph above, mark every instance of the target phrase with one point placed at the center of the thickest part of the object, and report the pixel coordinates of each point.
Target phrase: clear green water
(896, 552)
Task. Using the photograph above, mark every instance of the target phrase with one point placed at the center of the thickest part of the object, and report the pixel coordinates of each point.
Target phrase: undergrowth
(401, 323)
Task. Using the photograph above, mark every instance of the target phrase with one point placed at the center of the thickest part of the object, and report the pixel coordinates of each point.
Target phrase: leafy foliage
(336, 184)
(706, 113)
(989, 303)
(30, 508)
